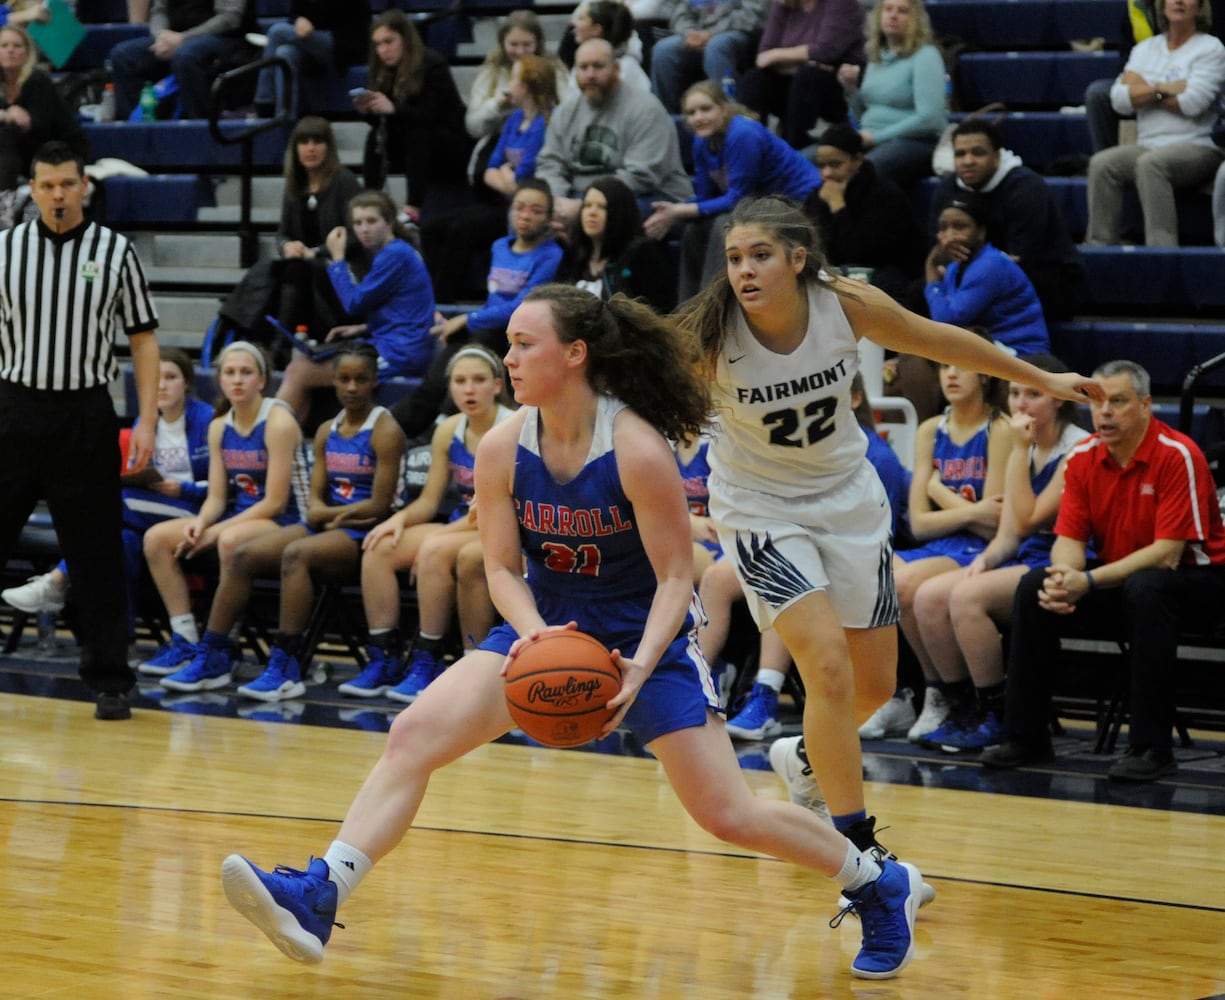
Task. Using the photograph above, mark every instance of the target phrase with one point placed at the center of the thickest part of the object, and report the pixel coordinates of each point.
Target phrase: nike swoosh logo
(732, 361)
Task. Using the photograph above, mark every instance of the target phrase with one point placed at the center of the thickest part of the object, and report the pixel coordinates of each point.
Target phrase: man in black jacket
(1023, 220)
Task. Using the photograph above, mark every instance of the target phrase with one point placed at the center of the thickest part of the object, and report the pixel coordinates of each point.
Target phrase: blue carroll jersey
(461, 464)
(585, 559)
(962, 467)
(246, 463)
(350, 461)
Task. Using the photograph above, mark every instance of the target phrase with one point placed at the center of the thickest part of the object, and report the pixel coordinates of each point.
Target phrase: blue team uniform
(461, 465)
(585, 562)
(963, 468)
(246, 462)
(694, 474)
(351, 464)
(894, 476)
(1035, 549)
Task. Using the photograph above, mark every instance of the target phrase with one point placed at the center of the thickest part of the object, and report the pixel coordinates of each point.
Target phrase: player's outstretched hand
(1078, 388)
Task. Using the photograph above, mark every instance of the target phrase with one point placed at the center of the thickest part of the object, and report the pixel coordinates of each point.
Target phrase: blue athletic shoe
(172, 656)
(281, 679)
(988, 733)
(210, 668)
(758, 717)
(295, 909)
(383, 672)
(422, 669)
(886, 909)
(952, 728)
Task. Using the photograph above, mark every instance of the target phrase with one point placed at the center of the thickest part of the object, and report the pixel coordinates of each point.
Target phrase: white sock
(857, 870)
(185, 625)
(348, 866)
(771, 679)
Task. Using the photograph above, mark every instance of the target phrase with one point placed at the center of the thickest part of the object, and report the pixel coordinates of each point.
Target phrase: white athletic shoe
(39, 596)
(893, 718)
(796, 773)
(935, 711)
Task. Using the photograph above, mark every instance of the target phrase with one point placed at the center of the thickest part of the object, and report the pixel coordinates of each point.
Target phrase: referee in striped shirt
(67, 288)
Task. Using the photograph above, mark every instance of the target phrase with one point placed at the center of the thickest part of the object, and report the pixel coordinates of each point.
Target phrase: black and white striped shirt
(63, 299)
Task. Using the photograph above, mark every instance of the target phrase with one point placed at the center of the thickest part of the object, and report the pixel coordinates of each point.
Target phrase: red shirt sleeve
(1074, 520)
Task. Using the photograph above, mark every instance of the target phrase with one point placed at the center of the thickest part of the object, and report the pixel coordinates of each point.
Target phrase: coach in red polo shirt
(1139, 495)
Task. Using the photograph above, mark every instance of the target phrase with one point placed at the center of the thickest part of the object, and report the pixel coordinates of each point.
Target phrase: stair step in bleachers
(182, 146)
(1027, 24)
(158, 198)
(1038, 80)
(1173, 279)
(1166, 350)
(94, 48)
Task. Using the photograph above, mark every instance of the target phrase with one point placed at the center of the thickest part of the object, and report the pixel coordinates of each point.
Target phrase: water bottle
(148, 103)
(106, 106)
(46, 631)
(729, 86)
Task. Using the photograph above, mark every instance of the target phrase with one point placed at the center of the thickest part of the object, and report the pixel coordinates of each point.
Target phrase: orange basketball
(557, 688)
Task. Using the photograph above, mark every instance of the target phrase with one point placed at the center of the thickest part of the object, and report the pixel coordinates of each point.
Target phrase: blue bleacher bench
(182, 145)
(1166, 350)
(1035, 80)
(1173, 278)
(156, 198)
(1027, 24)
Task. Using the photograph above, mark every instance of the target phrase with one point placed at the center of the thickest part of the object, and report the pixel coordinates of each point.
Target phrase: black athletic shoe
(113, 707)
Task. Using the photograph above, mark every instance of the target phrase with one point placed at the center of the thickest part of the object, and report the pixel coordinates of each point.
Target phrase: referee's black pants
(63, 447)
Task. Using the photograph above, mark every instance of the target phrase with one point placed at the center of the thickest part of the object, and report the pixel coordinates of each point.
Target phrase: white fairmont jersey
(784, 421)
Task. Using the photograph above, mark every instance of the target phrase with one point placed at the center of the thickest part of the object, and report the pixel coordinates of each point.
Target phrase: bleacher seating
(1166, 350)
(1030, 79)
(1026, 24)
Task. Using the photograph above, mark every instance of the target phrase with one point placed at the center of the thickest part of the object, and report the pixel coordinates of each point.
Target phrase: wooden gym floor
(540, 874)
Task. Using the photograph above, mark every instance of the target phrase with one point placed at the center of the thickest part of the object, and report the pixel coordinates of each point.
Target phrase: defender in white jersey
(799, 508)
(576, 449)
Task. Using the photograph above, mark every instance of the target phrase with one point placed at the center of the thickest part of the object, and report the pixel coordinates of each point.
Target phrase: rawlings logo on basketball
(572, 692)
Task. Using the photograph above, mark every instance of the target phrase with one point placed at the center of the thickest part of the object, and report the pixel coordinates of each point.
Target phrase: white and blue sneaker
(210, 668)
(383, 672)
(173, 655)
(281, 679)
(295, 909)
(423, 668)
(758, 717)
(886, 909)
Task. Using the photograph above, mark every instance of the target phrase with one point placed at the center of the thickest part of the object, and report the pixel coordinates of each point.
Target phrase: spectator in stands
(294, 286)
(1022, 218)
(521, 261)
(254, 469)
(320, 37)
(172, 485)
(758, 717)
(1172, 83)
(395, 299)
(609, 128)
(956, 496)
(415, 112)
(457, 244)
(490, 101)
(188, 38)
(1218, 207)
(353, 483)
(710, 40)
(612, 21)
(973, 284)
(959, 613)
(31, 113)
(733, 156)
(608, 252)
(899, 98)
(395, 545)
(795, 76)
(1141, 494)
(1138, 23)
(865, 220)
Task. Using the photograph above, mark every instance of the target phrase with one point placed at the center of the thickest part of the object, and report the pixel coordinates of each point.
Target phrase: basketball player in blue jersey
(798, 506)
(586, 489)
(353, 484)
(955, 506)
(254, 449)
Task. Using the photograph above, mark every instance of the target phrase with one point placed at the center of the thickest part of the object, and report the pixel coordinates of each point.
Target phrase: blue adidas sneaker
(281, 679)
(295, 909)
(758, 717)
(210, 668)
(172, 656)
(886, 909)
(383, 672)
(988, 733)
(422, 669)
